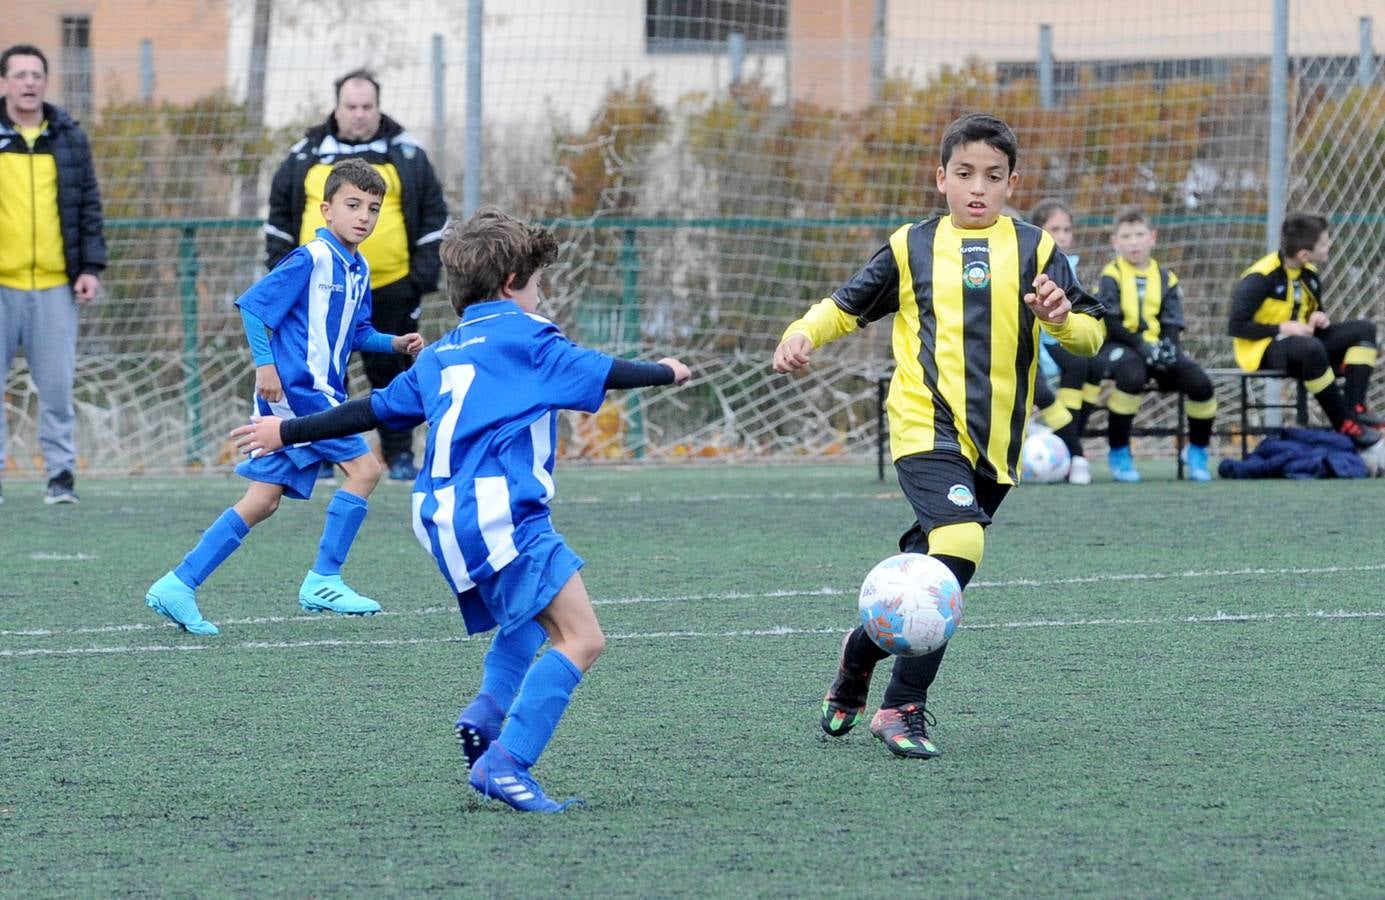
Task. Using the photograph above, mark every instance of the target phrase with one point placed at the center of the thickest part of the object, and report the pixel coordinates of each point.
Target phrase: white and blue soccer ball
(1044, 458)
(910, 604)
(1374, 458)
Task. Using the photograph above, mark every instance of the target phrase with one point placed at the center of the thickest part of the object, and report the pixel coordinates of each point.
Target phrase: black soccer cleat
(845, 703)
(905, 731)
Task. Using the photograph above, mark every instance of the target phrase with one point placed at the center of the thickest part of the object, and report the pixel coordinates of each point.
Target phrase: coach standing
(51, 253)
(402, 252)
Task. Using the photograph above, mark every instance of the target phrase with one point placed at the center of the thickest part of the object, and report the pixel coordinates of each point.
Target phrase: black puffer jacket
(425, 207)
(79, 197)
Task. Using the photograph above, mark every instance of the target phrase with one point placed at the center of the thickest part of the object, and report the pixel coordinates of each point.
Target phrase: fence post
(439, 148)
(188, 268)
(877, 50)
(630, 336)
(1278, 168)
(1365, 64)
(471, 173)
(146, 70)
(735, 52)
(1046, 66)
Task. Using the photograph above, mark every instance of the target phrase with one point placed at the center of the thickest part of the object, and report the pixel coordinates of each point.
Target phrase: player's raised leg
(323, 589)
(503, 770)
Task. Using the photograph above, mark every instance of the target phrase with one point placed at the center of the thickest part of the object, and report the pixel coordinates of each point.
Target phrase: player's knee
(585, 647)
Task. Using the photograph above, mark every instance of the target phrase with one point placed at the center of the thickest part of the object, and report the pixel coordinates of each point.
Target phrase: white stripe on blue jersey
(488, 390)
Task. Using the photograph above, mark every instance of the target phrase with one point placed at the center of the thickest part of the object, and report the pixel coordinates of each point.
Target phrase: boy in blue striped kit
(303, 320)
(490, 390)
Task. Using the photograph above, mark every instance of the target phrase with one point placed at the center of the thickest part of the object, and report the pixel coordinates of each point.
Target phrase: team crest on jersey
(960, 495)
(977, 274)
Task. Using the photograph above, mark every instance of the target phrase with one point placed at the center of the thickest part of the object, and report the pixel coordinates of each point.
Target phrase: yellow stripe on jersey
(1002, 379)
(910, 402)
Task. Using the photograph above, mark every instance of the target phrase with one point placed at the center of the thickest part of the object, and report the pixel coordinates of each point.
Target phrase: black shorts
(944, 489)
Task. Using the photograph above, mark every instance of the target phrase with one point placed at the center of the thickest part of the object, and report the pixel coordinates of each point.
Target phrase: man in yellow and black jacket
(1277, 322)
(52, 252)
(402, 251)
(1144, 318)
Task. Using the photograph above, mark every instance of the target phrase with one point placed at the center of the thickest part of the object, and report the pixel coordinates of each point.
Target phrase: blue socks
(543, 698)
(218, 542)
(508, 659)
(345, 514)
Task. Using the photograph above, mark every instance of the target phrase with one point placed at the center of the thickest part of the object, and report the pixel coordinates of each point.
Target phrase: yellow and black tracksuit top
(31, 252)
(1141, 303)
(965, 344)
(51, 226)
(1268, 294)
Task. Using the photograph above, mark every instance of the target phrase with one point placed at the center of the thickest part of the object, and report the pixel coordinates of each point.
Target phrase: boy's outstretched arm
(630, 373)
(825, 321)
(265, 434)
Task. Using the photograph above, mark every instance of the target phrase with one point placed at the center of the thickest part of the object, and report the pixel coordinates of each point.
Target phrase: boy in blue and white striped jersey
(303, 320)
(489, 391)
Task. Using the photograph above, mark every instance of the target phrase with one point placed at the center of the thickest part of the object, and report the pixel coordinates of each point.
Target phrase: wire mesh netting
(711, 169)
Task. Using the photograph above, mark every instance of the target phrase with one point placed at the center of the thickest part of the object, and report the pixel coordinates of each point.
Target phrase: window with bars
(76, 75)
(688, 26)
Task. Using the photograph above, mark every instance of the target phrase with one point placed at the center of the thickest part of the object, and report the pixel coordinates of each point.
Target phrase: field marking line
(777, 631)
(825, 591)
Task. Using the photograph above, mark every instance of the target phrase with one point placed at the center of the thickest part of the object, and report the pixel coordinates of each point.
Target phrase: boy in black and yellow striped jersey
(971, 291)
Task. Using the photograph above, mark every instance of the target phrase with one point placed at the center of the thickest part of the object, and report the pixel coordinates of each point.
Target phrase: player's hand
(85, 289)
(1318, 320)
(261, 436)
(1048, 301)
(409, 343)
(1149, 352)
(681, 373)
(1168, 355)
(1295, 329)
(267, 383)
(793, 353)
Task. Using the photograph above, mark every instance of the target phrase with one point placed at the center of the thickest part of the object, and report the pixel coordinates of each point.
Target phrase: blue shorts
(521, 590)
(296, 468)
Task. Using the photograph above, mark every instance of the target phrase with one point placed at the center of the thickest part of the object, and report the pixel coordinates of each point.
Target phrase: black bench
(1178, 431)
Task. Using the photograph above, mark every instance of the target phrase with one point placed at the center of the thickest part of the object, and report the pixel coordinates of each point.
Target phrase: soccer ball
(1374, 457)
(910, 604)
(1044, 458)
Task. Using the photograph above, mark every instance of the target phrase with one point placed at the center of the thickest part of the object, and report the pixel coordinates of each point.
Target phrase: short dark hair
(1301, 231)
(356, 172)
(1131, 215)
(480, 255)
(1044, 210)
(353, 75)
(21, 50)
(981, 127)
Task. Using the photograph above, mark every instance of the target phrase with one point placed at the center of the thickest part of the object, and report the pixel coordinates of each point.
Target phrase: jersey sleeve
(1171, 310)
(873, 292)
(571, 377)
(1250, 292)
(271, 298)
(1082, 332)
(399, 405)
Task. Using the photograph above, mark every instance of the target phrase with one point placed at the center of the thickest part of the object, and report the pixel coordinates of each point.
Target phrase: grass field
(1159, 690)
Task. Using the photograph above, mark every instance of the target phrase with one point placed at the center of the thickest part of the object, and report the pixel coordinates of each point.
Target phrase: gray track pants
(44, 324)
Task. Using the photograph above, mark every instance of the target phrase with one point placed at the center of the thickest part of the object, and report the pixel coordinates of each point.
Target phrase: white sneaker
(1080, 472)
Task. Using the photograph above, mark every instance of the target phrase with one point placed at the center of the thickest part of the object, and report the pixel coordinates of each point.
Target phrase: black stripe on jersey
(976, 331)
(1027, 241)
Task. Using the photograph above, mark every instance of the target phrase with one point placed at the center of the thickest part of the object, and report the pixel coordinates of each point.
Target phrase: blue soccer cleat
(1122, 465)
(173, 600)
(328, 593)
(498, 775)
(478, 726)
(1195, 458)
